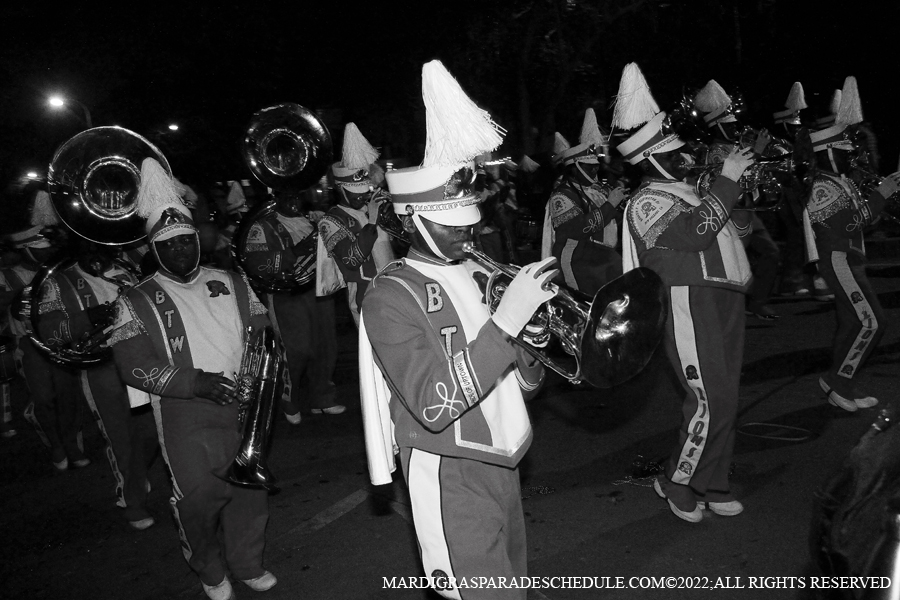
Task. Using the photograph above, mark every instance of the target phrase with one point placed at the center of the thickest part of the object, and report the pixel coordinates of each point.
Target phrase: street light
(173, 127)
(31, 174)
(60, 102)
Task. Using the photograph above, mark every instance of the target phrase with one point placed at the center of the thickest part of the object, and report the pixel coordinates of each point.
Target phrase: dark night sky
(208, 67)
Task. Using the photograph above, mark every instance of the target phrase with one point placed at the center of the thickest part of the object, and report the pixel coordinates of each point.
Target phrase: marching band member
(349, 233)
(54, 408)
(720, 117)
(179, 337)
(442, 384)
(583, 214)
(276, 247)
(76, 302)
(839, 211)
(693, 244)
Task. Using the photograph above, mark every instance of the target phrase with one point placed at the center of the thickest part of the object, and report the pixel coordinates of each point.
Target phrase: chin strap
(588, 178)
(722, 131)
(427, 236)
(831, 160)
(659, 168)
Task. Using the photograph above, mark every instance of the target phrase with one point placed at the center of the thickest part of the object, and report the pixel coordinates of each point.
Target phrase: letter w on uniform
(177, 343)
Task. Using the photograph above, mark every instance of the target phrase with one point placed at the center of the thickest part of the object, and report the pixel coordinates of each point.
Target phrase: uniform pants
(469, 522)
(307, 328)
(222, 526)
(860, 318)
(705, 344)
(54, 402)
(765, 253)
(131, 437)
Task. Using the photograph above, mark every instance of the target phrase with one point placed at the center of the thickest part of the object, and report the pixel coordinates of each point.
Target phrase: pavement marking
(333, 512)
(402, 510)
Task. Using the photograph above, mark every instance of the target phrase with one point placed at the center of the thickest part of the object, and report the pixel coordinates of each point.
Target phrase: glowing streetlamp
(60, 102)
(173, 127)
(31, 175)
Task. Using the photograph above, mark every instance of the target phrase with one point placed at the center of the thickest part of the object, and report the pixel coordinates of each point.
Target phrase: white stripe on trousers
(867, 320)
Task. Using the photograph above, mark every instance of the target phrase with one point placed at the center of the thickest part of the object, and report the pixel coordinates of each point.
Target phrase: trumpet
(762, 175)
(387, 218)
(604, 341)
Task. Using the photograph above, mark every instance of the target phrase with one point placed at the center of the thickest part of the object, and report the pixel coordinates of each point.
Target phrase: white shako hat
(848, 113)
(527, 164)
(560, 146)
(713, 101)
(43, 213)
(796, 101)
(159, 202)
(235, 201)
(591, 138)
(828, 120)
(442, 188)
(188, 195)
(635, 107)
(28, 238)
(352, 172)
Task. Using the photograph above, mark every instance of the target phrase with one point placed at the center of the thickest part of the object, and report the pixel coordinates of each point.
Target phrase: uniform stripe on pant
(864, 312)
(178, 495)
(689, 357)
(425, 479)
(110, 453)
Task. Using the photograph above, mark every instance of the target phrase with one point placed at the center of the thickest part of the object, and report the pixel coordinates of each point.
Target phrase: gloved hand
(215, 387)
(373, 207)
(762, 140)
(616, 196)
(737, 162)
(526, 292)
(101, 315)
(889, 186)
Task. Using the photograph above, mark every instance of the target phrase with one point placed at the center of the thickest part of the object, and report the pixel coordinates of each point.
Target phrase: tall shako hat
(235, 201)
(849, 112)
(713, 100)
(590, 139)
(42, 211)
(796, 101)
(828, 120)
(352, 172)
(158, 201)
(560, 146)
(441, 189)
(28, 238)
(635, 107)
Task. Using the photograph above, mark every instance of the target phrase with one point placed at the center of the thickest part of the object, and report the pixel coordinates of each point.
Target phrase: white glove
(616, 196)
(526, 292)
(737, 162)
(889, 186)
(372, 209)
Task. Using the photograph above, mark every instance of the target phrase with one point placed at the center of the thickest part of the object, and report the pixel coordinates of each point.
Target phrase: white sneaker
(694, 516)
(142, 524)
(836, 399)
(725, 509)
(293, 419)
(867, 402)
(223, 591)
(331, 410)
(264, 582)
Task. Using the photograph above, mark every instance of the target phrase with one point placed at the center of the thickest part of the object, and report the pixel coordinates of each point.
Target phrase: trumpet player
(77, 303)
(693, 243)
(840, 205)
(178, 340)
(582, 227)
(349, 233)
(440, 378)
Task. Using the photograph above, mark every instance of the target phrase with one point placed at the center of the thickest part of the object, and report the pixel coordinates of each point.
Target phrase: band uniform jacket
(454, 390)
(270, 246)
(689, 240)
(839, 213)
(152, 344)
(66, 296)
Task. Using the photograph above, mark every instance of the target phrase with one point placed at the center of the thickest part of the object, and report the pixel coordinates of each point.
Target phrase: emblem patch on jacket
(216, 288)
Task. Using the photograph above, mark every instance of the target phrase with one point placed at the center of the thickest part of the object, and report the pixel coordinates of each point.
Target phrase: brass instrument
(93, 181)
(387, 218)
(287, 148)
(604, 341)
(257, 391)
(762, 175)
(87, 351)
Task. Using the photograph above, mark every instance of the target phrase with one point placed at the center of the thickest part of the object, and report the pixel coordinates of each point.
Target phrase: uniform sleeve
(349, 250)
(435, 388)
(696, 229)
(530, 373)
(263, 253)
(572, 223)
(58, 324)
(140, 364)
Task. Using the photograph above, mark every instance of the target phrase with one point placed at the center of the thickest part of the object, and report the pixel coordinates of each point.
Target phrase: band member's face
(356, 201)
(672, 162)
(180, 254)
(448, 238)
(290, 204)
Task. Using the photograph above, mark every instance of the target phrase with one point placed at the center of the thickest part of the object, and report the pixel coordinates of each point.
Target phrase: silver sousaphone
(287, 147)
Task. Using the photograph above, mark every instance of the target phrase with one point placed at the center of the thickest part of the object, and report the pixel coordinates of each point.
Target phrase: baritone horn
(605, 341)
(257, 390)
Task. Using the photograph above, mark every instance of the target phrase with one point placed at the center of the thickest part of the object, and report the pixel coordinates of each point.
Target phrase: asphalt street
(332, 535)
